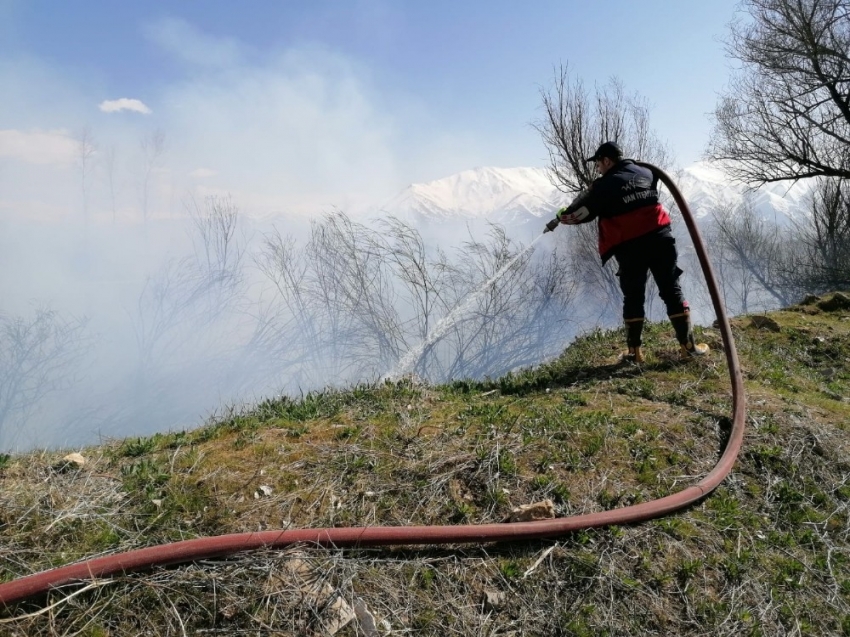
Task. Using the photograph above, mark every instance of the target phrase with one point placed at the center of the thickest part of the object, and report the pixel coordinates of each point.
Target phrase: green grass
(766, 553)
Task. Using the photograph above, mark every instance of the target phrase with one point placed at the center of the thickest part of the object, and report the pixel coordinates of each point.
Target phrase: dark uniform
(634, 229)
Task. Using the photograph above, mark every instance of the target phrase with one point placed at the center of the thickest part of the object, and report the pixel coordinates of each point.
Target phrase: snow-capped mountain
(505, 195)
(514, 196)
(706, 188)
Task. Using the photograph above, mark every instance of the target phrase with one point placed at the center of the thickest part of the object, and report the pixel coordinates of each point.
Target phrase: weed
(426, 577)
(496, 497)
(677, 528)
(688, 568)
(507, 463)
(592, 444)
(726, 511)
(296, 430)
(462, 512)
(608, 499)
(638, 387)
(136, 447)
(561, 493)
(346, 433)
(575, 400)
(144, 477)
(510, 569)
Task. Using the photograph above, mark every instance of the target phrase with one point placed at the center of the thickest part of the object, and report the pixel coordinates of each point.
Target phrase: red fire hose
(205, 548)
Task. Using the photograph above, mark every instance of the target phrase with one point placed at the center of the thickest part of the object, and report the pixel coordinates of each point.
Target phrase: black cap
(611, 150)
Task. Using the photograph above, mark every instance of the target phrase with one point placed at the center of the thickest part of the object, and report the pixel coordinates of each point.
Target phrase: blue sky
(304, 104)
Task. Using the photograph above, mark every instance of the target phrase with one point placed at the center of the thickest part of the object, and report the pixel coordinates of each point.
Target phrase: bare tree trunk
(86, 150)
(110, 177)
(153, 150)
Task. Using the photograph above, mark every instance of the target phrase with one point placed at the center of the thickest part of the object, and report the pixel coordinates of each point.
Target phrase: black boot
(634, 329)
(685, 335)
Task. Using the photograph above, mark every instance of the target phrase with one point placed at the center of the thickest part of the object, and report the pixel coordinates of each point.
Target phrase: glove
(572, 217)
(576, 212)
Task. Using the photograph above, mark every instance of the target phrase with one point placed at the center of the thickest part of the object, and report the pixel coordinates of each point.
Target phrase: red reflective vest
(614, 231)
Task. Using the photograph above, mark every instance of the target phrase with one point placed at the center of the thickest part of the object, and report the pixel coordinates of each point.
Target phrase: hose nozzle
(552, 225)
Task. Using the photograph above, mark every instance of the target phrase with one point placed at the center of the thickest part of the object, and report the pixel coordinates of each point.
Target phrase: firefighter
(634, 229)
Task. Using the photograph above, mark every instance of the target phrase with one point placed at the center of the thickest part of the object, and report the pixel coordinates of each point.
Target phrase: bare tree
(186, 296)
(38, 355)
(758, 253)
(86, 150)
(514, 321)
(109, 162)
(163, 304)
(218, 251)
(337, 317)
(575, 122)
(297, 331)
(786, 114)
(354, 300)
(367, 290)
(153, 150)
(738, 284)
(824, 238)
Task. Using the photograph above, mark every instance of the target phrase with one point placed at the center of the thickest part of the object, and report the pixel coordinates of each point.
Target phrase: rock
(365, 618)
(333, 612)
(544, 510)
(764, 323)
(263, 490)
(838, 301)
(71, 462)
(494, 600)
(75, 458)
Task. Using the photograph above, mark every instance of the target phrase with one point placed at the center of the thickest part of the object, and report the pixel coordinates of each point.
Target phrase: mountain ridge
(523, 194)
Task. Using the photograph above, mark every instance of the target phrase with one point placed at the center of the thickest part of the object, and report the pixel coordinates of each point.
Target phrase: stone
(71, 462)
(494, 600)
(75, 458)
(544, 510)
(365, 618)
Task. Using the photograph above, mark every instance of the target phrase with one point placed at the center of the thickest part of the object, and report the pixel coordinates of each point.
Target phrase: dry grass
(766, 554)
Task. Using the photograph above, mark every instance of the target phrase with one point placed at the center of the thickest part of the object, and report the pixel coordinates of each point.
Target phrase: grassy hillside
(766, 554)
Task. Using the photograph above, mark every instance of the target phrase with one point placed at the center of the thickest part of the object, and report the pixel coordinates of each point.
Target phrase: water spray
(445, 323)
(409, 359)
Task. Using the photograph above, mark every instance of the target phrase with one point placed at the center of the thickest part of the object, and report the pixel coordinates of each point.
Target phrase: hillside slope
(767, 553)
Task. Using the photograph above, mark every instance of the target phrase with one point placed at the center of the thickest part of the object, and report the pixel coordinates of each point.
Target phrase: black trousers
(655, 253)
